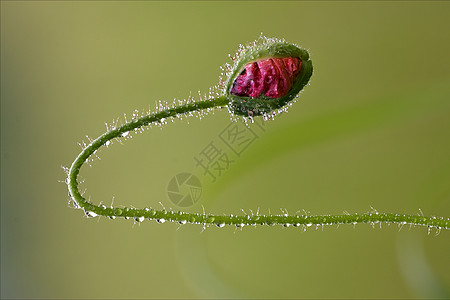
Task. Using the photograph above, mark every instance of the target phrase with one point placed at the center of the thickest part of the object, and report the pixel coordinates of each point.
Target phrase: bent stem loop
(140, 215)
(266, 77)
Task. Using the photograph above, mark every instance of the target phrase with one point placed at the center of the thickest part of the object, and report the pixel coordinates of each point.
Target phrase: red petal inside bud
(272, 77)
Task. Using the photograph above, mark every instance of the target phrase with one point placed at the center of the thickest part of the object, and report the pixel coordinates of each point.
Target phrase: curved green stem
(140, 215)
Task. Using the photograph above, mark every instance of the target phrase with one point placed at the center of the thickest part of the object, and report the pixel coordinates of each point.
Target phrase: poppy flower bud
(266, 76)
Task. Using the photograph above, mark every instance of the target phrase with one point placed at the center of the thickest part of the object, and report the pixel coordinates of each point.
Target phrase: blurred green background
(372, 129)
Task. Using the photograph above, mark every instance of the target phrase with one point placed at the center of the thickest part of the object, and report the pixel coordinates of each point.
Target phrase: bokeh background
(372, 130)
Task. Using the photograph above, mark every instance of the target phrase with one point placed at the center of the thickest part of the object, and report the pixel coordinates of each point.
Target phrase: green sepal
(249, 106)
